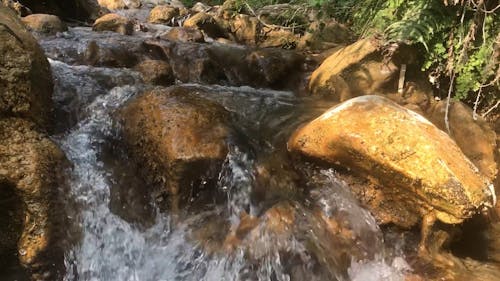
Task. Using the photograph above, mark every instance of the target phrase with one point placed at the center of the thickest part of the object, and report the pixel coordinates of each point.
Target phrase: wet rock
(183, 34)
(226, 64)
(178, 137)
(207, 24)
(83, 46)
(245, 28)
(200, 7)
(333, 77)
(115, 23)
(25, 79)
(112, 4)
(17, 7)
(156, 72)
(322, 35)
(45, 23)
(278, 38)
(475, 138)
(29, 167)
(283, 14)
(163, 14)
(398, 149)
(83, 10)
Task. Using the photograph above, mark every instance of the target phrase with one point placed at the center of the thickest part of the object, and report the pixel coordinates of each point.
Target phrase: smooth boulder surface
(401, 150)
(177, 136)
(115, 23)
(44, 23)
(30, 167)
(25, 75)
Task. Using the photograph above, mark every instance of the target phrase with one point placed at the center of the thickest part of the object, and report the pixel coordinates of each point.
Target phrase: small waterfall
(110, 248)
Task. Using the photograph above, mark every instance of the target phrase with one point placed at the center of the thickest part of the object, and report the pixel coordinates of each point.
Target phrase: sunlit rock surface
(177, 136)
(25, 77)
(401, 150)
(32, 165)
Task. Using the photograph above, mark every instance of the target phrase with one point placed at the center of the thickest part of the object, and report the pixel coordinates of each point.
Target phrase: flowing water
(119, 234)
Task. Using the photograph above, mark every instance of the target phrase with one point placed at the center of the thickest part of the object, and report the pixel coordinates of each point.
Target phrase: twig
(476, 103)
(402, 74)
(491, 109)
(446, 121)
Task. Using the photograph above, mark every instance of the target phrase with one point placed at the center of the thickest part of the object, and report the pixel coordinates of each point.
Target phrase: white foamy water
(108, 248)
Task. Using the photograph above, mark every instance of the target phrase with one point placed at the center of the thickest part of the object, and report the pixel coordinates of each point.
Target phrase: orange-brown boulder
(45, 23)
(163, 14)
(25, 76)
(399, 149)
(115, 23)
(350, 72)
(177, 136)
(30, 170)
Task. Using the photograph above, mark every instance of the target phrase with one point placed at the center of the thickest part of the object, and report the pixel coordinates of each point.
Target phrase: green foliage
(458, 40)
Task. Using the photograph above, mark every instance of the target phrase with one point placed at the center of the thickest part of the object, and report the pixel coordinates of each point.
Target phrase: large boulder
(44, 23)
(83, 10)
(178, 137)
(115, 23)
(416, 162)
(25, 76)
(30, 167)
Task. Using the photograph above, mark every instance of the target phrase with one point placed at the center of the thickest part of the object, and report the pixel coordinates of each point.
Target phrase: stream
(117, 230)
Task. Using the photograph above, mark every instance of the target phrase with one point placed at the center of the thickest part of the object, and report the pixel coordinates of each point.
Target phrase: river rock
(475, 138)
(83, 10)
(25, 79)
(17, 7)
(156, 72)
(322, 35)
(349, 72)
(401, 150)
(183, 34)
(30, 164)
(163, 14)
(45, 23)
(246, 29)
(207, 24)
(278, 38)
(226, 64)
(114, 22)
(112, 4)
(200, 7)
(178, 137)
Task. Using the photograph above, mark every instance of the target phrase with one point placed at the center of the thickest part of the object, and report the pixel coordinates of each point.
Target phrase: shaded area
(11, 226)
